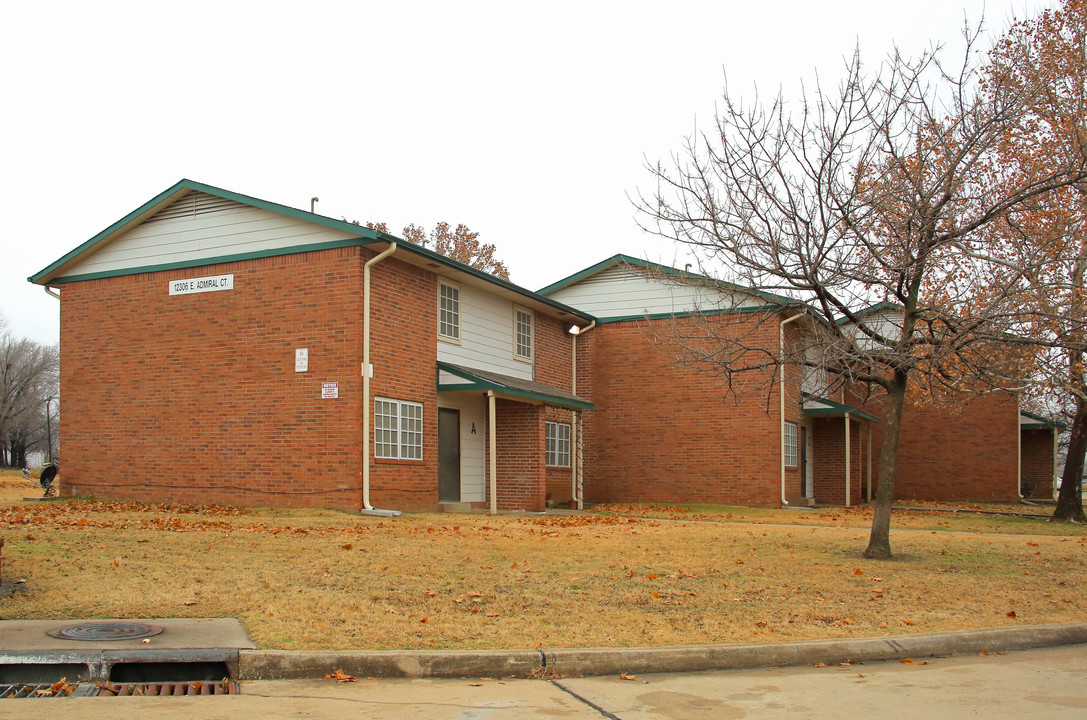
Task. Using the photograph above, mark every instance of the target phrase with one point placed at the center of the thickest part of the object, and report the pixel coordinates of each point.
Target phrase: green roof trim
(1040, 422)
(516, 387)
(690, 314)
(621, 259)
(363, 236)
(834, 408)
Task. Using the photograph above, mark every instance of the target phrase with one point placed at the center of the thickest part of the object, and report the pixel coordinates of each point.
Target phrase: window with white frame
(557, 443)
(790, 444)
(398, 429)
(448, 311)
(522, 321)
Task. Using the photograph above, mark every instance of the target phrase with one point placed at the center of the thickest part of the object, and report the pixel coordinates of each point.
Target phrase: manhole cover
(105, 631)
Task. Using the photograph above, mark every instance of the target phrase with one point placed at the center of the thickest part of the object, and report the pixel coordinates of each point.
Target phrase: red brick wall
(560, 479)
(403, 348)
(553, 353)
(958, 451)
(828, 468)
(521, 475)
(194, 398)
(1037, 463)
(666, 433)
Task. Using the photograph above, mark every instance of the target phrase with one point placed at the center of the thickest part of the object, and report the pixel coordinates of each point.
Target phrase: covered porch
(835, 453)
(1038, 464)
(500, 436)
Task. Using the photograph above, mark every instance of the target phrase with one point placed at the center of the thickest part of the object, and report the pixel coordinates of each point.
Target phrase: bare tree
(29, 375)
(868, 197)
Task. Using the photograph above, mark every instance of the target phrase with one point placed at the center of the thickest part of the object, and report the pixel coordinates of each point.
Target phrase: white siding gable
(623, 291)
(886, 322)
(202, 227)
(486, 339)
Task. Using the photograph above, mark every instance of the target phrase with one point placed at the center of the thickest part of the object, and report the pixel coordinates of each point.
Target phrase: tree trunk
(879, 543)
(1070, 499)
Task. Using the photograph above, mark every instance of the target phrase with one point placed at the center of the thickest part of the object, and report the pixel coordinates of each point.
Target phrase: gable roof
(55, 273)
(621, 259)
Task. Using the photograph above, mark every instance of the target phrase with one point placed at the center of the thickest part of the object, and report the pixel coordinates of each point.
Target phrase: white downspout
(781, 383)
(51, 291)
(492, 428)
(366, 379)
(576, 489)
(847, 462)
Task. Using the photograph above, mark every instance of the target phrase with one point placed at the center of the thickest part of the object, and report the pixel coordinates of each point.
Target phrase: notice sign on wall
(202, 284)
(330, 391)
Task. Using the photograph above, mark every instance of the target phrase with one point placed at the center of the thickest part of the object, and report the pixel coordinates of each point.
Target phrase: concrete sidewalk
(1049, 683)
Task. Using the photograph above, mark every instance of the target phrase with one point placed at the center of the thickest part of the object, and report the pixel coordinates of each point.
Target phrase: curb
(298, 665)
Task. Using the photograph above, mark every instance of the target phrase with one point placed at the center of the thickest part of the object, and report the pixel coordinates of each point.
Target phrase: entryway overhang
(1030, 421)
(456, 378)
(817, 406)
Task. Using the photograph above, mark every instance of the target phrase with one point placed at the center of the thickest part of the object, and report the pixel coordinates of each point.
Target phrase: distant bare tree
(29, 375)
(867, 198)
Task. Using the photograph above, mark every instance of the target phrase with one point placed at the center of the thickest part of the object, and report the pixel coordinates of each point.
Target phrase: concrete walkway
(1049, 683)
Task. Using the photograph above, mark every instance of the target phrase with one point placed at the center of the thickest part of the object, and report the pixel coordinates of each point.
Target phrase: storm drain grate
(47, 690)
(225, 687)
(64, 689)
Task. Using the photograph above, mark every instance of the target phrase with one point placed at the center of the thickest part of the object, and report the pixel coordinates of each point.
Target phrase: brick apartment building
(213, 348)
(798, 441)
(212, 351)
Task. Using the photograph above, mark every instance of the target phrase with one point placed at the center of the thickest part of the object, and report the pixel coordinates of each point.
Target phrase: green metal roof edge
(835, 408)
(667, 270)
(359, 230)
(1041, 422)
(690, 313)
(478, 383)
(181, 264)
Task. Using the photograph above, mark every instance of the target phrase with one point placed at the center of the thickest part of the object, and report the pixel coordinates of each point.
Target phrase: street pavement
(1046, 683)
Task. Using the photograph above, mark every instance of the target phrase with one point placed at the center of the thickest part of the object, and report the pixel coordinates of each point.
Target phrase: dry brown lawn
(309, 579)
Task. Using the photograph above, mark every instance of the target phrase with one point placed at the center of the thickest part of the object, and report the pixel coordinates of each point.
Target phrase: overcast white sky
(530, 123)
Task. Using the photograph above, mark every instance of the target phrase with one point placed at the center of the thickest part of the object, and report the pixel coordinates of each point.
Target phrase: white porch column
(492, 450)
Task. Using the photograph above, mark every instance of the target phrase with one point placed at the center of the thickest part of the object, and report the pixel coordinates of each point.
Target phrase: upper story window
(448, 311)
(522, 341)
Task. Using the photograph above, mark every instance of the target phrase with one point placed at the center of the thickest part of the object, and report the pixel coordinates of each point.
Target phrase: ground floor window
(398, 429)
(790, 444)
(557, 437)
